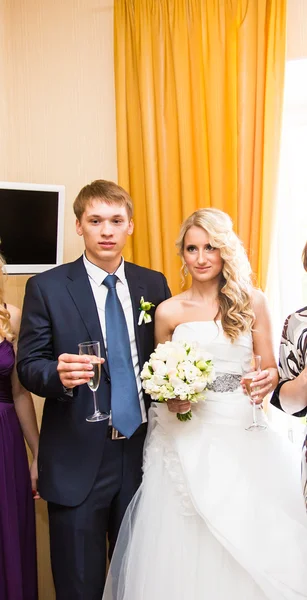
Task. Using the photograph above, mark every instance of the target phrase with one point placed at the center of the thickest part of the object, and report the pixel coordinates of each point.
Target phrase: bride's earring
(185, 270)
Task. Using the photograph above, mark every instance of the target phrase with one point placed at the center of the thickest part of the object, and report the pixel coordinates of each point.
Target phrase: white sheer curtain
(287, 281)
(285, 288)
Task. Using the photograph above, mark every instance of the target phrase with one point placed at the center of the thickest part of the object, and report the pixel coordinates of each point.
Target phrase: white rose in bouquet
(177, 370)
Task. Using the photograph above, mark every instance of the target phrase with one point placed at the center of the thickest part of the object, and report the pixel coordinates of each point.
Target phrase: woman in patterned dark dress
(291, 392)
(18, 576)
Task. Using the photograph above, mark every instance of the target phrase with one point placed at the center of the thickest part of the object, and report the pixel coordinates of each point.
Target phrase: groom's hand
(75, 369)
(178, 406)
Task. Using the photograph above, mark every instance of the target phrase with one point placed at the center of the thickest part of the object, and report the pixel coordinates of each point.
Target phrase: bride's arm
(165, 323)
(267, 380)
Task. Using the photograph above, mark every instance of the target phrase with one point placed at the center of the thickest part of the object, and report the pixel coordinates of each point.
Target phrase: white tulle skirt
(219, 515)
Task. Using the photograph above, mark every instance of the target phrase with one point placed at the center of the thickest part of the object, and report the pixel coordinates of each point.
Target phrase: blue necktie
(125, 404)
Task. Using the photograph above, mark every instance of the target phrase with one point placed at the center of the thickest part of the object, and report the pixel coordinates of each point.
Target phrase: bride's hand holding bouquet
(178, 373)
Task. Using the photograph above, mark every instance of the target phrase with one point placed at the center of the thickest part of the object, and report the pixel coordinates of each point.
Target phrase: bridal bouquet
(178, 370)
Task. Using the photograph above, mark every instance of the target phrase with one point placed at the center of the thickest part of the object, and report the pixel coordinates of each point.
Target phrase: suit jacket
(59, 312)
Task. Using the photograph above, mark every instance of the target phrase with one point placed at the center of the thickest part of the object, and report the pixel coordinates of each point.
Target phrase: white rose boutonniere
(144, 308)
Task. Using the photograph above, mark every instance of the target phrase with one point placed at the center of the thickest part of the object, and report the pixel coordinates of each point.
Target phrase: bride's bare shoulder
(168, 315)
(170, 307)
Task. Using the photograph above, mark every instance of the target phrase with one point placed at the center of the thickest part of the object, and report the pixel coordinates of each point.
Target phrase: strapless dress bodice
(7, 361)
(227, 356)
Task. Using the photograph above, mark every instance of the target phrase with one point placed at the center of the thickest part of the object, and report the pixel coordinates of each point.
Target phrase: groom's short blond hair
(106, 191)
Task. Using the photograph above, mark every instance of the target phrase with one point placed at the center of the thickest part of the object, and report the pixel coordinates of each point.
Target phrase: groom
(88, 472)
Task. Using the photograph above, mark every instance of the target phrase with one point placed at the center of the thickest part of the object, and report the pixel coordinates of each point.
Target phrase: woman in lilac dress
(18, 576)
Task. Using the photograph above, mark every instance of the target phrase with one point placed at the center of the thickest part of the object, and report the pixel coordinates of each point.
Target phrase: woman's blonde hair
(235, 287)
(5, 323)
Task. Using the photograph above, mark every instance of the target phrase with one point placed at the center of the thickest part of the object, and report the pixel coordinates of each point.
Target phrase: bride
(219, 514)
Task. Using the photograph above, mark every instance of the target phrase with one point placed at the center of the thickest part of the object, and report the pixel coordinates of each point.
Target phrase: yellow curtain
(198, 97)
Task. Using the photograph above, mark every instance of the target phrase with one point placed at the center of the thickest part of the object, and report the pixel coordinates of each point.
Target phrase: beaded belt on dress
(226, 382)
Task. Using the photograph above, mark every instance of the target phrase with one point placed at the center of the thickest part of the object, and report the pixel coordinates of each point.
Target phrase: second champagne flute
(253, 369)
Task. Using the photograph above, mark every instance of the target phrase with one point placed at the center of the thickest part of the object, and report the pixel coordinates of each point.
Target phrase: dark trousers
(78, 534)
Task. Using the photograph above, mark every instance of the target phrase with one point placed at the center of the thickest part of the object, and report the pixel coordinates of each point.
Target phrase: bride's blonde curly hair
(237, 315)
(5, 323)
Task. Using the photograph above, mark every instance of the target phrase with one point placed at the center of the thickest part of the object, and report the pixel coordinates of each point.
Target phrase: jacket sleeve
(36, 363)
(291, 361)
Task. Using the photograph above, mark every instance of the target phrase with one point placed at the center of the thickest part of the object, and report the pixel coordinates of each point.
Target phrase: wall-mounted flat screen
(31, 226)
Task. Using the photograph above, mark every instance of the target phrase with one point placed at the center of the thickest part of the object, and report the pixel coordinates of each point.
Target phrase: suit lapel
(80, 290)
(137, 289)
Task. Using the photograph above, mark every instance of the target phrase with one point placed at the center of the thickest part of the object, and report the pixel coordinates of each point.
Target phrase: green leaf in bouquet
(185, 416)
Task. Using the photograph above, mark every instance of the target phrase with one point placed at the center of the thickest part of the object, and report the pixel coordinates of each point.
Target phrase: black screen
(28, 226)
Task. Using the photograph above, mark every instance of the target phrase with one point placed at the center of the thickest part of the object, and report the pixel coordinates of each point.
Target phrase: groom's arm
(36, 364)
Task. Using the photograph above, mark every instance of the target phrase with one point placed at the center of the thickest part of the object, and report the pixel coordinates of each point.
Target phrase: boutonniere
(144, 308)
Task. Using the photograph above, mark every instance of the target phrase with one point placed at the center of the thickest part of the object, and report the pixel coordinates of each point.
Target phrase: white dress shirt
(96, 277)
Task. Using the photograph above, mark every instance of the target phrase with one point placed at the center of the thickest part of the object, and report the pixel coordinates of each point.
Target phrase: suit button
(107, 379)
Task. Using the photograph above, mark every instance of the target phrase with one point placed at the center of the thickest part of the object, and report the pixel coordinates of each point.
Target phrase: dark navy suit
(87, 478)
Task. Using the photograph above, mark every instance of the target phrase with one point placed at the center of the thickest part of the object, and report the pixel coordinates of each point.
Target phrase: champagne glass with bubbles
(249, 371)
(92, 349)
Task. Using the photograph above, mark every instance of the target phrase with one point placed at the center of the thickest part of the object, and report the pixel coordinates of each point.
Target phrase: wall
(57, 123)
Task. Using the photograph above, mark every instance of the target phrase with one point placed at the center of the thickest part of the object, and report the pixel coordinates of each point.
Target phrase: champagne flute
(92, 349)
(249, 372)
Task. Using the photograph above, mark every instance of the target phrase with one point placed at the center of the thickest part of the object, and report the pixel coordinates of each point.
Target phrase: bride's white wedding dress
(220, 513)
